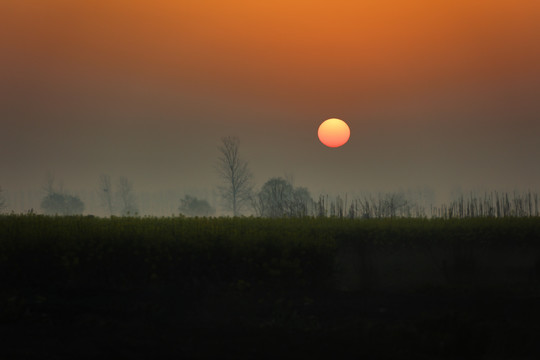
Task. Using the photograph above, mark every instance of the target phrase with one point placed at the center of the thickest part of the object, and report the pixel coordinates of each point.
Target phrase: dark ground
(126, 288)
(165, 321)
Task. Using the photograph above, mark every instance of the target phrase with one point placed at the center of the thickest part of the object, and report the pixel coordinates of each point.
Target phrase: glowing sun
(334, 132)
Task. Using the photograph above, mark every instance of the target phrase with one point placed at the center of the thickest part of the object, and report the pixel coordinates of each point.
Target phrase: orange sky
(331, 52)
(428, 70)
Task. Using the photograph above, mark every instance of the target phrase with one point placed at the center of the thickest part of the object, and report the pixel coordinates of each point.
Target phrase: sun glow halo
(334, 132)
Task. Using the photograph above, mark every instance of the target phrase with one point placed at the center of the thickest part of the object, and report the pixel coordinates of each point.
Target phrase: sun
(334, 132)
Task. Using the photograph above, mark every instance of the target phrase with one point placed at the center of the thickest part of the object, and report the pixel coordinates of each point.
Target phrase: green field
(251, 287)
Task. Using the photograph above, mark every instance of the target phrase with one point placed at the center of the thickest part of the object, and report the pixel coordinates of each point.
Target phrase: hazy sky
(438, 93)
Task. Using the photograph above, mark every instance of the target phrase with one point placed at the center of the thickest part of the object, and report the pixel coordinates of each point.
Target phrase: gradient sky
(437, 93)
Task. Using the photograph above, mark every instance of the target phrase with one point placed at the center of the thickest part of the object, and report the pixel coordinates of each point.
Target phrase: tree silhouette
(192, 206)
(106, 192)
(279, 198)
(62, 204)
(234, 172)
(126, 197)
(57, 202)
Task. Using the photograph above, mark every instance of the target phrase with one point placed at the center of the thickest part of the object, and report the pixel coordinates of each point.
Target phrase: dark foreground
(88, 288)
(337, 325)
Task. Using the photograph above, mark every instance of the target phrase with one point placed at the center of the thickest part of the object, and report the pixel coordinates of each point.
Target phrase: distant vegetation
(281, 198)
(398, 205)
(192, 206)
(62, 204)
(57, 202)
(120, 199)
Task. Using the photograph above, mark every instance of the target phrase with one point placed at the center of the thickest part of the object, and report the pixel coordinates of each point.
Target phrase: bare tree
(126, 197)
(106, 192)
(235, 175)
